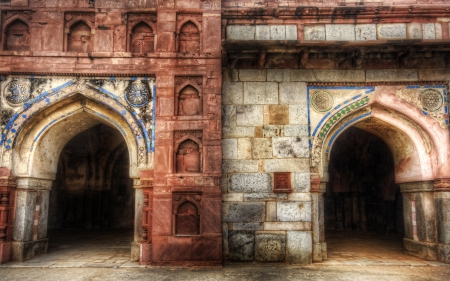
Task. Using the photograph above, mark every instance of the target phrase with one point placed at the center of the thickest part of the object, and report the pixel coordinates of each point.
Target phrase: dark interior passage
(361, 193)
(93, 189)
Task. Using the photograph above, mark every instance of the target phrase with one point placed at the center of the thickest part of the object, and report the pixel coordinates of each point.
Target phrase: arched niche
(189, 38)
(80, 38)
(187, 219)
(17, 36)
(188, 157)
(142, 39)
(189, 101)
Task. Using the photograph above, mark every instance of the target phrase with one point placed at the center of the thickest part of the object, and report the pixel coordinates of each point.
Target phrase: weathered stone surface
(391, 31)
(424, 250)
(296, 130)
(443, 253)
(340, 32)
(301, 182)
(251, 182)
(286, 165)
(244, 212)
(291, 32)
(228, 115)
(373, 75)
(299, 197)
(249, 115)
(233, 197)
(293, 93)
(298, 115)
(271, 211)
(262, 32)
(314, 32)
(270, 246)
(244, 148)
(25, 208)
(299, 247)
(252, 75)
(261, 148)
(364, 32)
(290, 147)
(238, 132)
(438, 30)
(414, 31)
(248, 226)
(277, 32)
(233, 93)
(272, 131)
(229, 148)
(297, 226)
(240, 166)
(278, 114)
(264, 196)
(260, 93)
(241, 245)
(294, 211)
(428, 30)
(322, 75)
(278, 75)
(240, 32)
(442, 201)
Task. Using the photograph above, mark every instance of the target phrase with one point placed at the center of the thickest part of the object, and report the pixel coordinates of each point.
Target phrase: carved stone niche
(79, 32)
(189, 96)
(141, 30)
(188, 149)
(282, 183)
(189, 33)
(186, 213)
(16, 30)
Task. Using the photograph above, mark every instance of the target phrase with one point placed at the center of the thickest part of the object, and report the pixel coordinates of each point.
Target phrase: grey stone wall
(265, 130)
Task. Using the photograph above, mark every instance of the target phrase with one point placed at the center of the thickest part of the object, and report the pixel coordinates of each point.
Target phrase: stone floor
(111, 249)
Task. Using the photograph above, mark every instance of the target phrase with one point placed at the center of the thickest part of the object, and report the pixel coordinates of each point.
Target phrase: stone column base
(5, 252)
(424, 250)
(22, 251)
(146, 253)
(135, 251)
(444, 253)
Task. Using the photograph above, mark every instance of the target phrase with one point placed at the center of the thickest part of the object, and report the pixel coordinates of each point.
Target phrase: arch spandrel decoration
(102, 99)
(412, 145)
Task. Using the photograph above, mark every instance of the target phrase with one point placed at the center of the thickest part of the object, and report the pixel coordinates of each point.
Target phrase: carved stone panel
(79, 27)
(189, 33)
(188, 149)
(282, 183)
(189, 96)
(186, 208)
(141, 33)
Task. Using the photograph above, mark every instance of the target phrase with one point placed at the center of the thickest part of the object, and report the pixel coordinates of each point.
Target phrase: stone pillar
(420, 219)
(442, 199)
(7, 196)
(30, 225)
(319, 247)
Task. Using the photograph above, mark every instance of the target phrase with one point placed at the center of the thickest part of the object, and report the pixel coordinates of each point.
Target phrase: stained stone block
(238, 132)
(294, 211)
(252, 75)
(249, 115)
(299, 247)
(340, 32)
(272, 131)
(293, 93)
(244, 212)
(240, 166)
(241, 245)
(228, 115)
(240, 32)
(229, 148)
(277, 32)
(261, 148)
(260, 93)
(364, 32)
(301, 182)
(248, 226)
(278, 75)
(327, 75)
(270, 246)
(251, 182)
(391, 31)
(298, 115)
(233, 93)
(262, 32)
(291, 32)
(244, 148)
(296, 130)
(429, 31)
(278, 114)
(286, 165)
(386, 75)
(414, 30)
(314, 32)
(290, 147)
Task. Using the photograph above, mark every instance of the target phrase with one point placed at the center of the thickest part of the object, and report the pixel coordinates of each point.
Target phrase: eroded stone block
(278, 75)
(301, 182)
(364, 32)
(429, 31)
(262, 32)
(270, 246)
(273, 131)
(414, 30)
(391, 75)
(278, 114)
(299, 247)
(340, 32)
(296, 130)
(294, 211)
(239, 166)
(293, 93)
(252, 75)
(249, 115)
(261, 148)
(244, 148)
(251, 182)
(290, 147)
(298, 114)
(240, 32)
(238, 132)
(286, 165)
(233, 93)
(248, 226)
(291, 32)
(314, 32)
(229, 148)
(260, 93)
(391, 31)
(244, 212)
(241, 245)
(277, 32)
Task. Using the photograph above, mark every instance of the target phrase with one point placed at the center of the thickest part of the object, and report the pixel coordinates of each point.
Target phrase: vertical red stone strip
(147, 216)
(445, 32)
(7, 197)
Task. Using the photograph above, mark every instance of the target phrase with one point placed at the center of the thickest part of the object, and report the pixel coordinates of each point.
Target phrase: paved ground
(104, 256)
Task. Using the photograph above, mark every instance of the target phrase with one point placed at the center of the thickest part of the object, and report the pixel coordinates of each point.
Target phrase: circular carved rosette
(431, 100)
(17, 92)
(137, 94)
(322, 101)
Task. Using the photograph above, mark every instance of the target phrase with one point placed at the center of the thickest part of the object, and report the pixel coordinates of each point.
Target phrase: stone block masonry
(265, 132)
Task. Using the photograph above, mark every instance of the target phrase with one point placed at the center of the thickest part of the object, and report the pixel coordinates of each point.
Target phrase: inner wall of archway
(361, 193)
(92, 188)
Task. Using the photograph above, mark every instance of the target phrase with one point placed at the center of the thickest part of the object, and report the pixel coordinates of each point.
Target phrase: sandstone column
(442, 200)
(319, 249)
